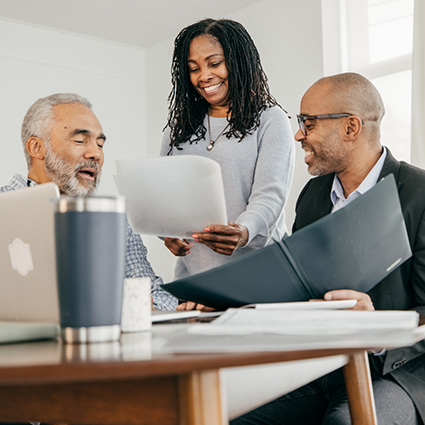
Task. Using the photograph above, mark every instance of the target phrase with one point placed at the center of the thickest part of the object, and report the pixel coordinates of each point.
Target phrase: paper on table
(253, 321)
(304, 305)
(172, 195)
(226, 343)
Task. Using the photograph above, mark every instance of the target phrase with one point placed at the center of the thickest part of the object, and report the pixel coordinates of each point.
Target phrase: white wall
(36, 62)
(129, 87)
(288, 35)
(158, 86)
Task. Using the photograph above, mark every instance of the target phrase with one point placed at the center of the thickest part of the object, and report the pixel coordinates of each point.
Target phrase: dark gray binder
(354, 248)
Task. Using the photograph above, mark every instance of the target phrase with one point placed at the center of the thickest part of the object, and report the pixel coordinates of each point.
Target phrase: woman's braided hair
(249, 92)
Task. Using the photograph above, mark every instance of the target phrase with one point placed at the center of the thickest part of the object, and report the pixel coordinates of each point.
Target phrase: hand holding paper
(179, 247)
(223, 239)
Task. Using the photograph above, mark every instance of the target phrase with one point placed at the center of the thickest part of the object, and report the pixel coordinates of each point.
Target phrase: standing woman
(220, 107)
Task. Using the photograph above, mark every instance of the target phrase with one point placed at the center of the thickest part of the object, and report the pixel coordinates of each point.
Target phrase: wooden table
(127, 382)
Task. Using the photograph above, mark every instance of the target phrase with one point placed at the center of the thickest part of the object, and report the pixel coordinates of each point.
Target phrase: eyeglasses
(303, 118)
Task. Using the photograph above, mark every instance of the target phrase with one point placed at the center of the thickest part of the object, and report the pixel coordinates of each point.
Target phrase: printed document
(304, 322)
(172, 196)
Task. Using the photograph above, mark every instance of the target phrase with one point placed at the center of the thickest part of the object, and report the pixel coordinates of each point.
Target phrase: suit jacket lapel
(391, 166)
(324, 203)
(314, 202)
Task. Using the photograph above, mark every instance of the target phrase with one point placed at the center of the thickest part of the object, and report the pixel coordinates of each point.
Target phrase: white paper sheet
(304, 322)
(172, 195)
(305, 305)
(203, 342)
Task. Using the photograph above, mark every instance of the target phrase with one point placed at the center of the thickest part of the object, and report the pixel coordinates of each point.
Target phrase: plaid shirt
(136, 261)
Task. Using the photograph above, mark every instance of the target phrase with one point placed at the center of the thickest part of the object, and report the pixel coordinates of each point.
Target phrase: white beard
(61, 172)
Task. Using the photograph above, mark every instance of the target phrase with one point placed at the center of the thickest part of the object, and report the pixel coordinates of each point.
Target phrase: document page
(253, 321)
(172, 196)
(305, 305)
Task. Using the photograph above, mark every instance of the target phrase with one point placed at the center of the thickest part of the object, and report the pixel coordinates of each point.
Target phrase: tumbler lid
(92, 204)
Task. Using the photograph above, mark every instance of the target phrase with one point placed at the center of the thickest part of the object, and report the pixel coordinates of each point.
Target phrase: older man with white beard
(63, 143)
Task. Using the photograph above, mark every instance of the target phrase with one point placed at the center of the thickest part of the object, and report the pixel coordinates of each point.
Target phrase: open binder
(354, 248)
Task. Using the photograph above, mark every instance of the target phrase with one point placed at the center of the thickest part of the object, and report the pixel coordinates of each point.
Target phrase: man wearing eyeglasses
(340, 134)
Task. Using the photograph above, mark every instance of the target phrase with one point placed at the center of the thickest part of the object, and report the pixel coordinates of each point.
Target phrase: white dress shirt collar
(337, 192)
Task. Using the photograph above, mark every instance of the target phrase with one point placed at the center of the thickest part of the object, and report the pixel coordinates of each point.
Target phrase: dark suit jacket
(404, 288)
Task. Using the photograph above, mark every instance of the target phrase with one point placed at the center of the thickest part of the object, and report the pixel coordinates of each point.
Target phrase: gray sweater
(257, 175)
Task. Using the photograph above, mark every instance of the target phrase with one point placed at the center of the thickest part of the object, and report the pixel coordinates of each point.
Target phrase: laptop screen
(28, 289)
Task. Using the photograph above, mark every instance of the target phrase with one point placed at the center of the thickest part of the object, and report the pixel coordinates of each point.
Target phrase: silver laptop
(28, 290)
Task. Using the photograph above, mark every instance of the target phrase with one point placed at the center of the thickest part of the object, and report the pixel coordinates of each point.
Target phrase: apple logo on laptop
(20, 257)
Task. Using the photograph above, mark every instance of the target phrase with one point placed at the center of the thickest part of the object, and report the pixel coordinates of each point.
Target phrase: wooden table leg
(359, 389)
(202, 399)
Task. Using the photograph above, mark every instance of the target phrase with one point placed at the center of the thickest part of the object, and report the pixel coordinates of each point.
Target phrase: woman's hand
(178, 247)
(223, 239)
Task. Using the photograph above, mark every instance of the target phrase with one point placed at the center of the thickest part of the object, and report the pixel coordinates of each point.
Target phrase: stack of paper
(305, 305)
(274, 321)
(241, 330)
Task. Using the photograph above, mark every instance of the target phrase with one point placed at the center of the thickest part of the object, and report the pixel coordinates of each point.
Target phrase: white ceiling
(137, 22)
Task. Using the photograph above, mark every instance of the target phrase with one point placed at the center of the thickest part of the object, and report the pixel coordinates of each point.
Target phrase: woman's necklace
(212, 142)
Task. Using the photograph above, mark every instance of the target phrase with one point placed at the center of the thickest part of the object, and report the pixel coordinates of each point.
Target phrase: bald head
(348, 146)
(351, 92)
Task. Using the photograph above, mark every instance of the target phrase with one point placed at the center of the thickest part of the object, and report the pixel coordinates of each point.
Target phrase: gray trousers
(324, 402)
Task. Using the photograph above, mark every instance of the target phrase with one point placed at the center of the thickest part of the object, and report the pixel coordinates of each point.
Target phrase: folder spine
(297, 270)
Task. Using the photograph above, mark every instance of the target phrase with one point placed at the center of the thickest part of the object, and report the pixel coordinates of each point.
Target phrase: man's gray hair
(39, 118)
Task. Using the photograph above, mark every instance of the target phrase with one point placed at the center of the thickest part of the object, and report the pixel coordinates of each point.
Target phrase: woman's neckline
(220, 112)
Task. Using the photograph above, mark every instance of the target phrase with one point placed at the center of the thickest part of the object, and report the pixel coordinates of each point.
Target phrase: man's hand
(223, 239)
(178, 247)
(363, 300)
(190, 305)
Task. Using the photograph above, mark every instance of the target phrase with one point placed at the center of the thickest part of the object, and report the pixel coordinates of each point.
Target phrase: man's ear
(35, 147)
(353, 127)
